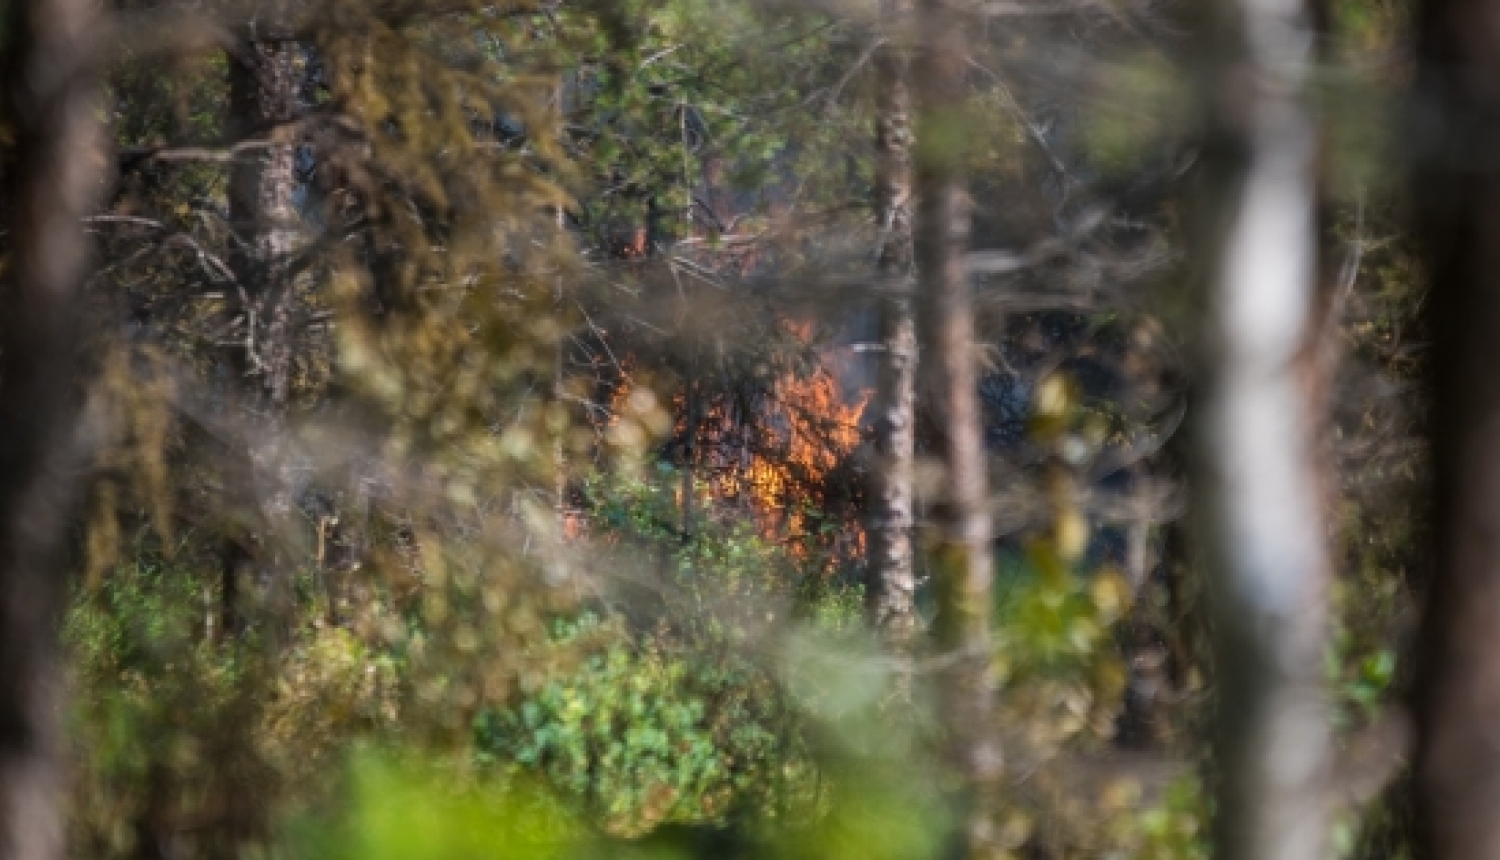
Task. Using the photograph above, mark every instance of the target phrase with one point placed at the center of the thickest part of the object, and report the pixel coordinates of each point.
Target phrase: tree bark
(1457, 196)
(263, 215)
(962, 566)
(262, 209)
(1260, 487)
(891, 581)
(53, 177)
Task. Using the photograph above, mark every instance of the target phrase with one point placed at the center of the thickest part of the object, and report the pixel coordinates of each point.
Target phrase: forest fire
(779, 452)
(457, 414)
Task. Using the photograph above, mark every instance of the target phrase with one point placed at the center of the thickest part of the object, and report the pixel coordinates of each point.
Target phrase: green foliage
(419, 809)
(671, 92)
(1054, 648)
(402, 810)
(157, 706)
(1175, 828)
(1051, 620)
(834, 606)
(648, 731)
(1361, 675)
(669, 717)
(716, 579)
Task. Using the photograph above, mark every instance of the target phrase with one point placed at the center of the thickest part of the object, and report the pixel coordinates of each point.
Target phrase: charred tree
(891, 579)
(1457, 195)
(1260, 490)
(962, 564)
(52, 178)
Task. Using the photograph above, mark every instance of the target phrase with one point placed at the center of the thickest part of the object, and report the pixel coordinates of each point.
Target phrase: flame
(806, 431)
(773, 463)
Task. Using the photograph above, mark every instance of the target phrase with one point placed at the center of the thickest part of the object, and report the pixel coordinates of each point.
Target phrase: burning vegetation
(787, 457)
(779, 446)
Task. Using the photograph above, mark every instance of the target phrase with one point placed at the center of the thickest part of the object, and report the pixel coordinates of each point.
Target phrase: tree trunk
(262, 208)
(1261, 494)
(263, 216)
(891, 580)
(53, 177)
(1457, 192)
(692, 411)
(962, 567)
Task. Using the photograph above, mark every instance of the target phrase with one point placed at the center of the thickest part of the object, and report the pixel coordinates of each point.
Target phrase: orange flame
(774, 463)
(807, 431)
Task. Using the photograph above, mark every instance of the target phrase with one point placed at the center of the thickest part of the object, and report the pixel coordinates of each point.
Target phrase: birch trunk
(53, 176)
(1457, 191)
(960, 523)
(1262, 497)
(891, 583)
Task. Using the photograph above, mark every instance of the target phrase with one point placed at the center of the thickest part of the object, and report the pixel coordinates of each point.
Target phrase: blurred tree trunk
(962, 565)
(1457, 196)
(891, 584)
(53, 173)
(1262, 497)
